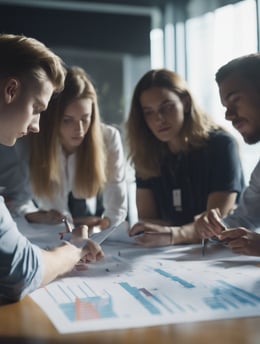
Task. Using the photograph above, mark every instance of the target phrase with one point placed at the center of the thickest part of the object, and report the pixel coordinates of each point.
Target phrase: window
(212, 40)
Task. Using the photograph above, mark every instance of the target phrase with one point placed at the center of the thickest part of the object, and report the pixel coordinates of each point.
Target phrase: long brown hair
(90, 170)
(145, 150)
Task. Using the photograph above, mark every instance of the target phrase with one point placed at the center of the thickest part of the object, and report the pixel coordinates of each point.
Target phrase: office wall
(99, 42)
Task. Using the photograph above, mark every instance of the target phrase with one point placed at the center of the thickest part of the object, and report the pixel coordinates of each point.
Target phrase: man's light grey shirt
(247, 214)
(21, 268)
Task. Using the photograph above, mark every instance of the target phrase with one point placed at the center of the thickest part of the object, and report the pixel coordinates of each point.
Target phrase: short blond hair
(23, 56)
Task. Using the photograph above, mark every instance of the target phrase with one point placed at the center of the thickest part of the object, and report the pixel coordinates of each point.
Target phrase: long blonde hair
(90, 170)
(145, 150)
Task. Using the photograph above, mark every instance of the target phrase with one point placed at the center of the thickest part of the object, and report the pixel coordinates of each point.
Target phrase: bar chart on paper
(115, 294)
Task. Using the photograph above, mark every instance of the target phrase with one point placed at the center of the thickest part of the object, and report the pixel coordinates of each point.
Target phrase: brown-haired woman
(185, 164)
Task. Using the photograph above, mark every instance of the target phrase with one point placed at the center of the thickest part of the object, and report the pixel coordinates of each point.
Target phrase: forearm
(50, 217)
(165, 235)
(59, 261)
(185, 234)
(37, 216)
(156, 221)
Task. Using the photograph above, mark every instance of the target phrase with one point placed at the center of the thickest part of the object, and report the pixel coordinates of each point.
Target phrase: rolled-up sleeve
(21, 265)
(247, 214)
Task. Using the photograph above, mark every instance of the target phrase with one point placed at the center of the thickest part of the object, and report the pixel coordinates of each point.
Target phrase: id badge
(176, 198)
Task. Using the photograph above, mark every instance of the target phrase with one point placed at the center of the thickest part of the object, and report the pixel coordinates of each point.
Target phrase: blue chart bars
(159, 292)
(123, 293)
(227, 296)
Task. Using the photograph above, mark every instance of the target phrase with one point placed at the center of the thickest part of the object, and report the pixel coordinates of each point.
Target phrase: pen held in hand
(203, 243)
(152, 233)
(67, 225)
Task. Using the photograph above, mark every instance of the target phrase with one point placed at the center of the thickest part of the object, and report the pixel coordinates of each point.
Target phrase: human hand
(209, 224)
(76, 235)
(242, 241)
(92, 221)
(80, 233)
(49, 217)
(151, 235)
(91, 252)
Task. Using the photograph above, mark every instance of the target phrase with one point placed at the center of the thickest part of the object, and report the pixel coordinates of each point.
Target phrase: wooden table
(24, 322)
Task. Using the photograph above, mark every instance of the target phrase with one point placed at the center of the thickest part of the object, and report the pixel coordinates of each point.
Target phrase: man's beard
(253, 138)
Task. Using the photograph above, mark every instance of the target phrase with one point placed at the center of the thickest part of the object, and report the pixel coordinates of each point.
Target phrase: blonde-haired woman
(185, 164)
(75, 155)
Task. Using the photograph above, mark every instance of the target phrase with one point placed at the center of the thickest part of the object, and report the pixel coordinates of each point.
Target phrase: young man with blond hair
(29, 75)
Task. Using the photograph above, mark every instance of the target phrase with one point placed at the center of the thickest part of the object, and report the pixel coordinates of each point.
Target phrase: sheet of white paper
(110, 233)
(47, 236)
(136, 287)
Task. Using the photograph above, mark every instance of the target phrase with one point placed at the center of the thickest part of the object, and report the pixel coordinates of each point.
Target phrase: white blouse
(115, 189)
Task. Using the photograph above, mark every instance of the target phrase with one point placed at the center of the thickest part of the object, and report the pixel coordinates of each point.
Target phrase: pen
(203, 243)
(153, 233)
(67, 225)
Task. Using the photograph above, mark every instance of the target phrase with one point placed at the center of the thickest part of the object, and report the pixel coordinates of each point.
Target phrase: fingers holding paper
(80, 232)
(91, 252)
(76, 234)
(93, 221)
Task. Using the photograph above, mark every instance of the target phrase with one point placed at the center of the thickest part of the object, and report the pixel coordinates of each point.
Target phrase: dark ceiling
(114, 26)
(145, 3)
(127, 2)
(115, 33)
(71, 27)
